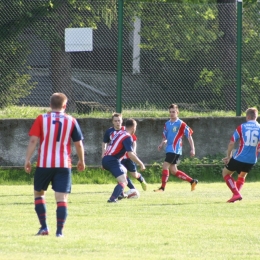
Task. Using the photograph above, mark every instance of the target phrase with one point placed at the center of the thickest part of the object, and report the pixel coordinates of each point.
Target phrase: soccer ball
(133, 194)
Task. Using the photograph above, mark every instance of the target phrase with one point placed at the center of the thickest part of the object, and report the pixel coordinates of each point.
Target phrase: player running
(174, 130)
(245, 157)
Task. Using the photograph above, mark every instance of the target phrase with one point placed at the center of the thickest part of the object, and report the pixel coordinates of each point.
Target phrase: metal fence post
(239, 54)
(119, 57)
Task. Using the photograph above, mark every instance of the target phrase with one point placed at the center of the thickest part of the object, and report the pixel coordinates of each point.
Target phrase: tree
(14, 78)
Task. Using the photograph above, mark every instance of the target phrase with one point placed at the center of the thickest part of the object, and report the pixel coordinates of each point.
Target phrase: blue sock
(117, 191)
(130, 185)
(141, 178)
(40, 208)
(61, 213)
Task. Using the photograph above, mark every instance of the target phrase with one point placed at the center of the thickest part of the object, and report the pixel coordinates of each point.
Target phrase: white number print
(251, 138)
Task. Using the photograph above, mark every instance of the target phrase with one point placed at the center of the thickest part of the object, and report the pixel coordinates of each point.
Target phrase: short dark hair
(58, 100)
(130, 122)
(174, 106)
(116, 115)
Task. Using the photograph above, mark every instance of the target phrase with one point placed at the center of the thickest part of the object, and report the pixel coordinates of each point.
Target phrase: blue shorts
(112, 164)
(129, 164)
(59, 177)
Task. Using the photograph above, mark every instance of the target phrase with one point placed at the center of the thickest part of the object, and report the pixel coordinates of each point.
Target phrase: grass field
(176, 224)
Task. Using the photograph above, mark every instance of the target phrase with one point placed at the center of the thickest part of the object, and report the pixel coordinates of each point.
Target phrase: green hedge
(207, 169)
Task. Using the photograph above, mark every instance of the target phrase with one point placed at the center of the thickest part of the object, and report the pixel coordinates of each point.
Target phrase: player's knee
(123, 184)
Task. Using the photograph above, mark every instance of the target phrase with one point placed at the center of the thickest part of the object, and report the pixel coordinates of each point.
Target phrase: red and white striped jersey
(120, 144)
(55, 131)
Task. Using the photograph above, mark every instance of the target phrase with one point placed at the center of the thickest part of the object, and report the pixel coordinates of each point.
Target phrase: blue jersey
(121, 143)
(248, 135)
(173, 133)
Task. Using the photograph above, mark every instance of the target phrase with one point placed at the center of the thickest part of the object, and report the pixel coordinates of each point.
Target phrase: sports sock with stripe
(61, 214)
(40, 208)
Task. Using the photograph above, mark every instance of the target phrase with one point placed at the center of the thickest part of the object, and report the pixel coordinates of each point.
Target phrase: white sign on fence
(78, 39)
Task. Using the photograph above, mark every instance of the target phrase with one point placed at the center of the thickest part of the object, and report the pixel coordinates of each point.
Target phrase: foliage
(250, 61)
(14, 73)
(206, 169)
(32, 112)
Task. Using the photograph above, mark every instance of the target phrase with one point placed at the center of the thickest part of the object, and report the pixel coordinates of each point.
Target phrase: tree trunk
(60, 60)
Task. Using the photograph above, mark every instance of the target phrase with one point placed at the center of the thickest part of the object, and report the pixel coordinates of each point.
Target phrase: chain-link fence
(172, 53)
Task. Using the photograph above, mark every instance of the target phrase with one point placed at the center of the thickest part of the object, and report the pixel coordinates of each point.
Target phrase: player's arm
(135, 159)
(30, 150)
(80, 152)
(192, 147)
(104, 147)
(231, 146)
(134, 146)
(160, 146)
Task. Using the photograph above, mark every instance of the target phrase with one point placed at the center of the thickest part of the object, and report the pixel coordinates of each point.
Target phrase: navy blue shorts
(129, 164)
(234, 165)
(172, 158)
(112, 164)
(59, 177)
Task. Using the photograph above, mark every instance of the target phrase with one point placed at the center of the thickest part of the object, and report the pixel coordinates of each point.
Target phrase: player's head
(58, 101)
(251, 113)
(130, 126)
(174, 111)
(117, 120)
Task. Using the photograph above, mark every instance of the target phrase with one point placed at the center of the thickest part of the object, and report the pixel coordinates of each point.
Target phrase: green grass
(31, 112)
(176, 224)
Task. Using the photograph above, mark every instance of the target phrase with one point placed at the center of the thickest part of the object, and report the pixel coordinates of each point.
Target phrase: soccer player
(244, 158)
(54, 131)
(174, 130)
(120, 143)
(126, 161)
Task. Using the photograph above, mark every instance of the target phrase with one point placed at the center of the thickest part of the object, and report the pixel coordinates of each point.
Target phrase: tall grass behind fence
(181, 53)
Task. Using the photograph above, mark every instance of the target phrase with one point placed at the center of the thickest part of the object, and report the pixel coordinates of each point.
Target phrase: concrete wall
(211, 136)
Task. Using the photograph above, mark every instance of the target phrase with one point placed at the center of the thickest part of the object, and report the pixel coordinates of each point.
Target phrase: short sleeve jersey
(109, 134)
(55, 131)
(173, 133)
(248, 135)
(121, 143)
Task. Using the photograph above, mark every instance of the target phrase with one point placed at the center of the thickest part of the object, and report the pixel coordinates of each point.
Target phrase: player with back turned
(244, 158)
(54, 132)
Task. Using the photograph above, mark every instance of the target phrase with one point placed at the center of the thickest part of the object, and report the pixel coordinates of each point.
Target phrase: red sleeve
(36, 128)
(134, 137)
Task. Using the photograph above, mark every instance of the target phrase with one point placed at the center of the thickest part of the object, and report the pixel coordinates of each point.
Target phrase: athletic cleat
(193, 184)
(122, 196)
(43, 232)
(235, 198)
(159, 190)
(59, 235)
(144, 185)
(112, 201)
